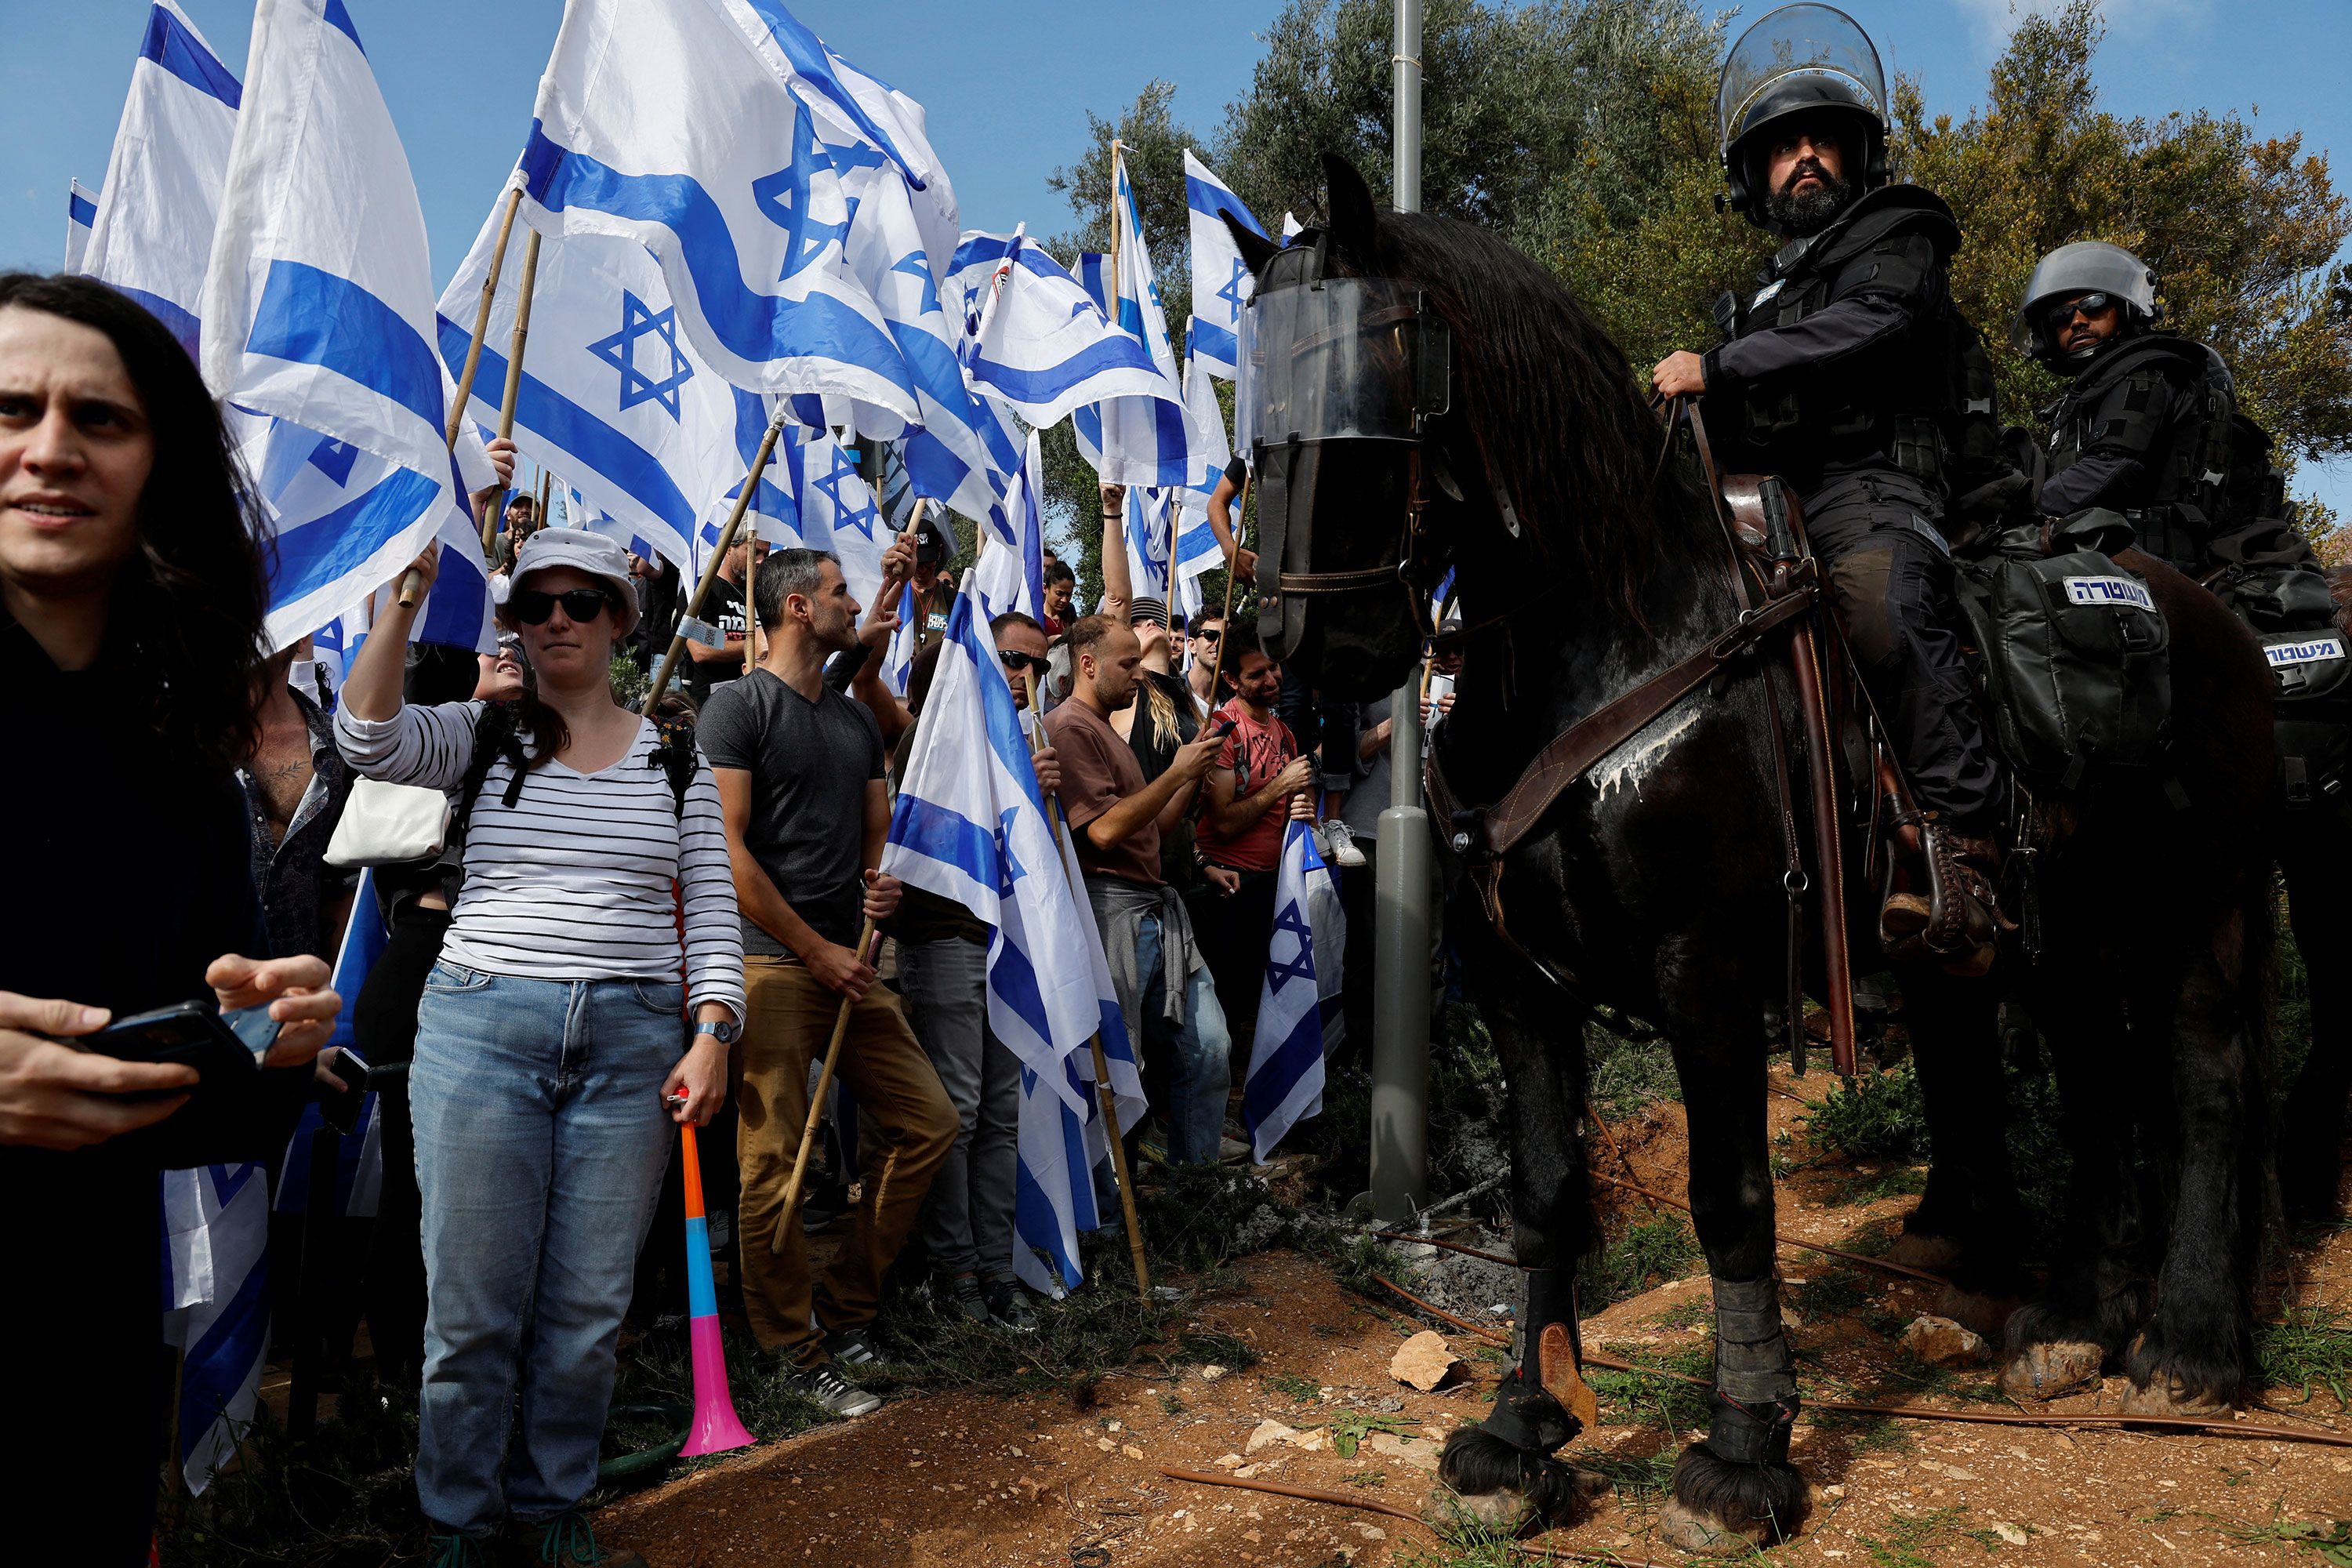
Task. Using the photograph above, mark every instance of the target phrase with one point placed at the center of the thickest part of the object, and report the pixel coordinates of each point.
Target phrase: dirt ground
(981, 1480)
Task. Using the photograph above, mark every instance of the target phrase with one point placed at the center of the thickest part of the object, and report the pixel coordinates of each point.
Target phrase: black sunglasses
(2082, 304)
(531, 606)
(1210, 634)
(1028, 661)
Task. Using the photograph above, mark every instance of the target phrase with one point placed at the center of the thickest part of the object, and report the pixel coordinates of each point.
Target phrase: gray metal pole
(1401, 912)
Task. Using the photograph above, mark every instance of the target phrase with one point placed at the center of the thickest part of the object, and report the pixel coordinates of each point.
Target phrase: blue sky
(1008, 87)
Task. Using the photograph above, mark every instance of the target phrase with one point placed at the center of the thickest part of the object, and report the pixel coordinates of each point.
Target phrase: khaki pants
(909, 1127)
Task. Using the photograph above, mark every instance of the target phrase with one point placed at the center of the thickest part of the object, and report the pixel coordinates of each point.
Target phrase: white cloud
(1992, 19)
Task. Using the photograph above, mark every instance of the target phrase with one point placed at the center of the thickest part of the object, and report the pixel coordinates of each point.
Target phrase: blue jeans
(1198, 1053)
(540, 1140)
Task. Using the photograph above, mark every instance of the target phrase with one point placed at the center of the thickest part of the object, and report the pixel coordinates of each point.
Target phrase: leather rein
(1784, 591)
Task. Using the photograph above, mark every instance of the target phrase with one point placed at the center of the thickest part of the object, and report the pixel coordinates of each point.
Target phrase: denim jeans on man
(968, 1217)
(541, 1139)
(1198, 1054)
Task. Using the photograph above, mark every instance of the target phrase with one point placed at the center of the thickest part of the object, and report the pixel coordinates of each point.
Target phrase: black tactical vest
(2188, 450)
(1916, 405)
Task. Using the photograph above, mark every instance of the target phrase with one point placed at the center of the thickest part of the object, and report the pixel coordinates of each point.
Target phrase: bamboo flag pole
(1110, 1102)
(913, 534)
(409, 584)
(710, 572)
(514, 363)
(1232, 574)
(751, 592)
(867, 941)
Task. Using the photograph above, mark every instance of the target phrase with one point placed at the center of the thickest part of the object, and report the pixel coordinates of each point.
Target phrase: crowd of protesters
(633, 920)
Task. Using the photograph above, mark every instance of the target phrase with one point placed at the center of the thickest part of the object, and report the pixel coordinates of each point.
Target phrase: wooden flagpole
(1103, 1094)
(868, 942)
(409, 584)
(514, 363)
(751, 592)
(710, 571)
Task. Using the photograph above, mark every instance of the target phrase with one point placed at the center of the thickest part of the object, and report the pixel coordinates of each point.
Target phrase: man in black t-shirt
(708, 667)
(799, 769)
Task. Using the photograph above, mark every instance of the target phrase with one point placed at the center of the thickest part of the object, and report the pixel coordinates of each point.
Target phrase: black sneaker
(833, 1391)
(1008, 1307)
(963, 1294)
(850, 1347)
(568, 1540)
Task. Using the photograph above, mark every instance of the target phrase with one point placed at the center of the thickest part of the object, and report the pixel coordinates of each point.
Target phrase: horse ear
(1354, 219)
(1256, 250)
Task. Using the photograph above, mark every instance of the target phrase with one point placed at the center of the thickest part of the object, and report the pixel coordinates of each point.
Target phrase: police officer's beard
(1799, 216)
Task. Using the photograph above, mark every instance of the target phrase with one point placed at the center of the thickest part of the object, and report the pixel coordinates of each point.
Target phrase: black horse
(1657, 885)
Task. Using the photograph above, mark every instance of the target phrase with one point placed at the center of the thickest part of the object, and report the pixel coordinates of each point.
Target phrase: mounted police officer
(1838, 375)
(2146, 429)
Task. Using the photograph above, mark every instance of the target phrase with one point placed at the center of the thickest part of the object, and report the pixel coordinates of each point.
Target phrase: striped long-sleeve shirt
(574, 881)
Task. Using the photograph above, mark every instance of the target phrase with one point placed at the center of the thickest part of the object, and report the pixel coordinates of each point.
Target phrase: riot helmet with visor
(1800, 62)
(2068, 278)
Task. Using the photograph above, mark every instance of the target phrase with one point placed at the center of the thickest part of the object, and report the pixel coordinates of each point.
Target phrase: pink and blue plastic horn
(716, 1427)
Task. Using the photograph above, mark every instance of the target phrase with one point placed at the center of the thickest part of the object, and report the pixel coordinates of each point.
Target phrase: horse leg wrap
(1525, 1416)
(1754, 1400)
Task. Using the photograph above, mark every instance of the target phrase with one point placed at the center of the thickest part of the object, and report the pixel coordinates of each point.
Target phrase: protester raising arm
(1240, 563)
(1118, 587)
(874, 635)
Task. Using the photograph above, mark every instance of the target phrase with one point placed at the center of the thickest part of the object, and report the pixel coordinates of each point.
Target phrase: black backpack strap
(496, 734)
(675, 756)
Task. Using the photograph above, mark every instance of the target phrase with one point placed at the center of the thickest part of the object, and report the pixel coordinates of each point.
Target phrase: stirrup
(1958, 920)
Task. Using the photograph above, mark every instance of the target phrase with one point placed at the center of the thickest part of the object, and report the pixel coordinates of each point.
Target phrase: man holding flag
(799, 772)
(1165, 995)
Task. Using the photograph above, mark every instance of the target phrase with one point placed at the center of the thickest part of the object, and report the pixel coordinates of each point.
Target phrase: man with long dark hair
(130, 632)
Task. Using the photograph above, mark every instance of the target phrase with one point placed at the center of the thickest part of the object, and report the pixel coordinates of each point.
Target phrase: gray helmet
(1798, 60)
(2086, 266)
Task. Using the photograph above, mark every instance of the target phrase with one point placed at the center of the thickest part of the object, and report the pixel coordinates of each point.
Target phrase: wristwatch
(726, 1031)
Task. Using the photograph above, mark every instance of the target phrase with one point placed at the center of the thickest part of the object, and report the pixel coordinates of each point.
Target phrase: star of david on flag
(1285, 1085)
(620, 350)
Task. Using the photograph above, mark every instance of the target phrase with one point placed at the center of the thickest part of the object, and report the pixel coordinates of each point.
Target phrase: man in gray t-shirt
(799, 769)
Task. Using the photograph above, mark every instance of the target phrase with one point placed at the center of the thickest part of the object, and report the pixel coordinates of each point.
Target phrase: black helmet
(2086, 266)
(1798, 60)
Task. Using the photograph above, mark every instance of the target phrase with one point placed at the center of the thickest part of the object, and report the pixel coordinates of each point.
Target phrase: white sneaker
(1339, 845)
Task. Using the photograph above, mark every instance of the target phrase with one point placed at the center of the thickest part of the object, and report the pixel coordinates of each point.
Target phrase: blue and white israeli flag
(971, 282)
(957, 453)
(221, 1212)
(1044, 346)
(317, 305)
(1286, 1071)
(1010, 573)
(613, 395)
(837, 509)
(1197, 550)
(854, 110)
(153, 229)
(1222, 283)
(970, 825)
(671, 126)
(82, 211)
(1142, 437)
(359, 1164)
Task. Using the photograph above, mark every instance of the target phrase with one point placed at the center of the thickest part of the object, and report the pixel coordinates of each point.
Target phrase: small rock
(1422, 1362)
(1245, 1473)
(1268, 1431)
(1940, 1342)
(1132, 1451)
(1210, 1374)
(1227, 1461)
(1110, 1426)
(1105, 1443)
(1421, 1453)
(2009, 1533)
(1833, 1492)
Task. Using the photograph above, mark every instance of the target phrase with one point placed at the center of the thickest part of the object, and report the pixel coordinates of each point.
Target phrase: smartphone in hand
(192, 1035)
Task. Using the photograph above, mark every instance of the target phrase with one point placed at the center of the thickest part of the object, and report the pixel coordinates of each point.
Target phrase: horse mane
(1555, 404)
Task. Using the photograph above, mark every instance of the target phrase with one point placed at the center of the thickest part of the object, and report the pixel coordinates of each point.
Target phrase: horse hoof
(1985, 1314)
(2052, 1369)
(1704, 1534)
(2170, 1397)
(1723, 1510)
(1935, 1253)
(1503, 1488)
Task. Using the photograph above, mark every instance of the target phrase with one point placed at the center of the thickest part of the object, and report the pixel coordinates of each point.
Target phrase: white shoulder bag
(390, 824)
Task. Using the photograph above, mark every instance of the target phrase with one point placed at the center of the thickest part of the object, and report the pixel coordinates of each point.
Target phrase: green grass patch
(2329, 1540)
(1639, 1478)
(2310, 1350)
(1872, 1116)
(1298, 1390)
(1623, 1076)
(1642, 1256)
(1209, 1347)
(1908, 1536)
(1364, 1479)
(1637, 1399)
(1694, 1312)
(1838, 1290)
(1903, 1181)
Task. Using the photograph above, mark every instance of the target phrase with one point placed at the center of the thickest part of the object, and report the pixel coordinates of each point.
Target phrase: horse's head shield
(1328, 360)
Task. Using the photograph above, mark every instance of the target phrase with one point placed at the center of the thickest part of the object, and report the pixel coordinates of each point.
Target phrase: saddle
(1779, 588)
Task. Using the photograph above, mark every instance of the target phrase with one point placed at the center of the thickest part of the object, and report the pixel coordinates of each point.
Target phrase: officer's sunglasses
(2081, 305)
(531, 606)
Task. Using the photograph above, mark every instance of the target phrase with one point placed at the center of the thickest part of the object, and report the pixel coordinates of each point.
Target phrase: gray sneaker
(963, 1295)
(1339, 845)
(1008, 1307)
(833, 1391)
